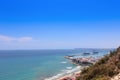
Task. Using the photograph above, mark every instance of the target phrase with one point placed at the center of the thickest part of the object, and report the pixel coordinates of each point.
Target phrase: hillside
(105, 69)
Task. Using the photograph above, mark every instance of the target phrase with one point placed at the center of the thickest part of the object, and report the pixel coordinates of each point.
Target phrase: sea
(39, 64)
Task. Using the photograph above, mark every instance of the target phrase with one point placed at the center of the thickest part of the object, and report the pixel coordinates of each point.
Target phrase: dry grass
(104, 69)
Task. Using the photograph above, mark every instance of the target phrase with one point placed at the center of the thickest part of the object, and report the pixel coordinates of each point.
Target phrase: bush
(104, 69)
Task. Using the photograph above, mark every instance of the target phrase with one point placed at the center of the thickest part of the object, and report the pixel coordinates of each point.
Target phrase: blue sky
(59, 24)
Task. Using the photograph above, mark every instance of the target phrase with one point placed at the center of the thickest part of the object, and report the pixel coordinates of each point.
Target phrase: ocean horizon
(38, 64)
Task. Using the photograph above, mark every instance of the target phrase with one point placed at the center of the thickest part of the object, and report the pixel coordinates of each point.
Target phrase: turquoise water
(36, 64)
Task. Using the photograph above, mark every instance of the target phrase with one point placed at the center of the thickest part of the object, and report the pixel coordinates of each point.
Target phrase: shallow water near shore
(38, 64)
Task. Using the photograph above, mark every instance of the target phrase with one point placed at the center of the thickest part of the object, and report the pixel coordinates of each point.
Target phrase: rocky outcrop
(117, 77)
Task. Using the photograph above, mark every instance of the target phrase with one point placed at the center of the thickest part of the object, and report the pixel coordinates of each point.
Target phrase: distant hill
(105, 69)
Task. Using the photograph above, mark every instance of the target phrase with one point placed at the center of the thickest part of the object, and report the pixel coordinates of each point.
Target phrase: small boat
(95, 52)
(86, 53)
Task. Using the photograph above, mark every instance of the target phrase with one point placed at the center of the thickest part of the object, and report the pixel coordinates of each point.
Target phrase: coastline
(39, 70)
(72, 74)
(68, 73)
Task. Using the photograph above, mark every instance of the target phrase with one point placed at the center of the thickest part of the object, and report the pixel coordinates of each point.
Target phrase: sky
(59, 24)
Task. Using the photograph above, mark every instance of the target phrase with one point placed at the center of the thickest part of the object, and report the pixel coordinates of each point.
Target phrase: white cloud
(25, 39)
(11, 39)
(6, 38)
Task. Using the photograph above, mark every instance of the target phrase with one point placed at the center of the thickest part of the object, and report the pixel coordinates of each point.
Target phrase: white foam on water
(64, 73)
(69, 68)
(63, 70)
(64, 62)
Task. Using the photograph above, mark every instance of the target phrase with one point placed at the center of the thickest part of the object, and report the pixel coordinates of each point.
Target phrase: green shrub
(104, 69)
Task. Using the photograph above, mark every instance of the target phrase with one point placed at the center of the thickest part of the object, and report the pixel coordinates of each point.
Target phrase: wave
(63, 62)
(64, 73)
(69, 68)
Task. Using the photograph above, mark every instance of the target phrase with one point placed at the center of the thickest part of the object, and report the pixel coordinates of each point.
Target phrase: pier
(82, 61)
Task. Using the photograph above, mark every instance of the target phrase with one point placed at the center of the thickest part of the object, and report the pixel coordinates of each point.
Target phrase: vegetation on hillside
(104, 69)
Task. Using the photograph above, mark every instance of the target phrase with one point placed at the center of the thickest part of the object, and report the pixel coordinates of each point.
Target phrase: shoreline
(72, 74)
(67, 73)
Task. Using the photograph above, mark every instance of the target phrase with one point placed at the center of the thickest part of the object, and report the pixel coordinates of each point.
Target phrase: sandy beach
(71, 76)
(67, 74)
